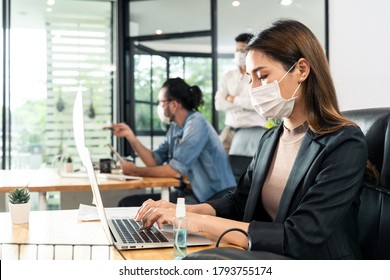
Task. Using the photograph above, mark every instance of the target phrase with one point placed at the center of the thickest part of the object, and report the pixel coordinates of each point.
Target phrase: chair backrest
(243, 147)
(375, 124)
(374, 212)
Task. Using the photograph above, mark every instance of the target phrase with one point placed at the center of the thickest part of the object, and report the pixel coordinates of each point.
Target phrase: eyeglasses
(161, 102)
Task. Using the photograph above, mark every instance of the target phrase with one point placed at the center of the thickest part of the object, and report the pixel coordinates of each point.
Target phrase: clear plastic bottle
(180, 230)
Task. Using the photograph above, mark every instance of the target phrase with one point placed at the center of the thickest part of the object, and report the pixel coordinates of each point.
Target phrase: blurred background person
(232, 96)
(191, 148)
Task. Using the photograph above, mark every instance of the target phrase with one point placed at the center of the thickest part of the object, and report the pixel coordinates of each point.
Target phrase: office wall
(359, 46)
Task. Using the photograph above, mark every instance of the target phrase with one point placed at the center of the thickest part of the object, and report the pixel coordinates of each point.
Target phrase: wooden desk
(49, 228)
(62, 228)
(159, 254)
(48, 180)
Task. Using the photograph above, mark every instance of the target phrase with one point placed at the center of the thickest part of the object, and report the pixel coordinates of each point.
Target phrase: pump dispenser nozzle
(180, 230)
(180, 208)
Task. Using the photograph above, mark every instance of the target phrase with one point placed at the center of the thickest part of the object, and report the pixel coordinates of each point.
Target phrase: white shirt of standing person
(240, 112)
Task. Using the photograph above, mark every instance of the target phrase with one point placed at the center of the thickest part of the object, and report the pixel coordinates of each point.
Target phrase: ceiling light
(236, 3)
(51, 2)
(49, 10)
(286, 2)
(158, 31)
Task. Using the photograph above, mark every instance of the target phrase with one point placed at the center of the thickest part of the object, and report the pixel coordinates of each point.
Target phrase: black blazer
(317, 214)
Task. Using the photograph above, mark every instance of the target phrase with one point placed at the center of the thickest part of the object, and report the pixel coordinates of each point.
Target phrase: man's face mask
(267, 101)
(162, 117)
(239, 59)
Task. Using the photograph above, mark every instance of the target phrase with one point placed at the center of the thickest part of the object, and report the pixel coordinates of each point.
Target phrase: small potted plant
(19, 205)
(69, 165)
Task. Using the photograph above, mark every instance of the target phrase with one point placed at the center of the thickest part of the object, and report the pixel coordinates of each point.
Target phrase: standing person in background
(233, 98)
(191, 148)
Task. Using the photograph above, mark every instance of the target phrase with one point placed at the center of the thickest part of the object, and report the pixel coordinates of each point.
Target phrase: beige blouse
(281, 165)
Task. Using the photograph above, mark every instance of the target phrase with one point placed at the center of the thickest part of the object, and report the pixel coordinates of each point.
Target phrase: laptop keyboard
(129, 232)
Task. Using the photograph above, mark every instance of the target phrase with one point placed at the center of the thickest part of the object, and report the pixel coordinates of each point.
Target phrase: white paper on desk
(90, 213)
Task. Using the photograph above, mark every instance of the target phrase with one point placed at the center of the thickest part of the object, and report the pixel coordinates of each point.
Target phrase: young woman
(300, 195)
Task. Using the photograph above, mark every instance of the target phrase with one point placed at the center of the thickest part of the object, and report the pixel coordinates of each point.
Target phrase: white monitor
(78, 122)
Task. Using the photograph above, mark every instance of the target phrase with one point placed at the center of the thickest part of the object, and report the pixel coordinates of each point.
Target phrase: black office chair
(375, 125)
(243, 147)
(374, 213)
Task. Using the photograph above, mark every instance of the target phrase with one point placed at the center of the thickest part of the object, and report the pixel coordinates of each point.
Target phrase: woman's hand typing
(150, 203)
(163, 212)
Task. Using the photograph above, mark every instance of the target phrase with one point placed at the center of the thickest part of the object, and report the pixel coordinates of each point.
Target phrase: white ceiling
(173, 16)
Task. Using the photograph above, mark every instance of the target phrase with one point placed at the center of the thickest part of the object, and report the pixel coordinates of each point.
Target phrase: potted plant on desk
(69, 165)
(19, 205)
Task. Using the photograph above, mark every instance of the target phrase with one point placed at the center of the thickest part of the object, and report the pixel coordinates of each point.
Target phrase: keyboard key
(129, 232)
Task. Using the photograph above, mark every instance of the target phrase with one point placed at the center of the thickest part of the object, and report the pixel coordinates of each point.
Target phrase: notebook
(123, 232)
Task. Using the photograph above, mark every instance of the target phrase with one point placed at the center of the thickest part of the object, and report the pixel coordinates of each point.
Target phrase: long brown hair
(286, 41)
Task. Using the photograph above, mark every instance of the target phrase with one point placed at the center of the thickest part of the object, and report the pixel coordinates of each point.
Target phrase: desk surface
(46, 180)
(62, 227)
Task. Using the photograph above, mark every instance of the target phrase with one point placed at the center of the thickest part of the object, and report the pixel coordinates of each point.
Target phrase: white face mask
(239, 59)
(162, 117)
(268, 103)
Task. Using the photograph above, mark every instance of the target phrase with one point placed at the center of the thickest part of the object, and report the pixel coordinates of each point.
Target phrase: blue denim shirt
(195, 151)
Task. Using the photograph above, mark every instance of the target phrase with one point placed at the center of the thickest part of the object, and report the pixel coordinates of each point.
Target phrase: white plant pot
(20, 213)
(68, 167)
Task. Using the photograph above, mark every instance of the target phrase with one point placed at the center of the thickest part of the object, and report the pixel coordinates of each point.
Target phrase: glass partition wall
(57, 46)
(162, 49)
(50, 48)
(3, 87)
(55, 49)
(194, 40)
(153, 69)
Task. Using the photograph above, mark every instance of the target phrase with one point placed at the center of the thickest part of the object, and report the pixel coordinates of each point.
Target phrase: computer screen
(78, 123)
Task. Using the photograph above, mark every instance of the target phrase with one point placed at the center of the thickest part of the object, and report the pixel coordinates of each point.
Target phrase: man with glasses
(191, 148)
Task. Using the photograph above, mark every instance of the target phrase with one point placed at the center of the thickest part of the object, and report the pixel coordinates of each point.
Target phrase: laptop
(123, 232)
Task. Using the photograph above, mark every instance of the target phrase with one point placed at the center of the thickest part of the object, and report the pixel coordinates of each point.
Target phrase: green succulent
(19, 196)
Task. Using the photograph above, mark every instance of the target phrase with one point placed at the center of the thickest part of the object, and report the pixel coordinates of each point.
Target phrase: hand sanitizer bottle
(180, 231)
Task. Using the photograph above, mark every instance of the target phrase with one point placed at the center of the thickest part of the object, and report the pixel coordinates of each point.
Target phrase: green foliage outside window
(198, 72)
(150, 74)
(29, 127)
